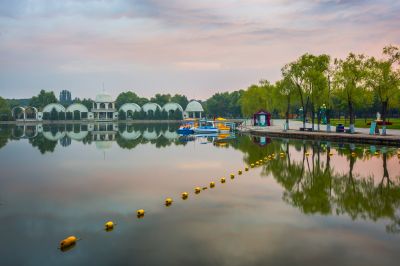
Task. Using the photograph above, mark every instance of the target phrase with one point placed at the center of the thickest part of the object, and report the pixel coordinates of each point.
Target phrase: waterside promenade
(361, 135)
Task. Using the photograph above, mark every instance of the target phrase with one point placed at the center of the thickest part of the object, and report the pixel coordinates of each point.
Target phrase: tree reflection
(312, 185)
(44, 145)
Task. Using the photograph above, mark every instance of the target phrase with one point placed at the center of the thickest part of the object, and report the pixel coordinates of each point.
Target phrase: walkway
(361, 135)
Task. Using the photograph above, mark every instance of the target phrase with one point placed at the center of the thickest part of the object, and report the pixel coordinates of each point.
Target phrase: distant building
(65, 97)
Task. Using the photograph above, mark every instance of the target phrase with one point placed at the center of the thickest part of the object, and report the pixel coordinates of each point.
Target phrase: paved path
(361, 134)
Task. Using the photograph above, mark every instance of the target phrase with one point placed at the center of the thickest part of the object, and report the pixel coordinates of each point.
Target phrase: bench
(306, 129)
(339, 128)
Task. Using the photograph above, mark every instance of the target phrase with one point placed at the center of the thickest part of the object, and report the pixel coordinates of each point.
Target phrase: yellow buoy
(239, 172)
(140, 213)
(232, 176)
(222, 179)
(307, 153)
(68, 242)
(197, 190)
(168, 201)
(212, 184)
(331, 154)
(252, 165)
(185, 195)
(246, 169)
(109, 225)
(377, 153)
(353, 154)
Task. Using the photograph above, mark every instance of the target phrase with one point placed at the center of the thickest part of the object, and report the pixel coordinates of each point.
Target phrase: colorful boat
(205, 127)
(186, 128)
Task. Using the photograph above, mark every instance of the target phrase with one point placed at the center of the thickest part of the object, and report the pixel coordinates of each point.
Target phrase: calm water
(296, 210)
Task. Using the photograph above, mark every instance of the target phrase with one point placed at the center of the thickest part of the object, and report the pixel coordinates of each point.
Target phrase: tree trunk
(384, 111)
(313, 115)
(351, 114)
(287, 113)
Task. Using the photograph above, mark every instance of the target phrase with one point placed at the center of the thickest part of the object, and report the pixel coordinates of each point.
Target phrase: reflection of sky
(76, 189)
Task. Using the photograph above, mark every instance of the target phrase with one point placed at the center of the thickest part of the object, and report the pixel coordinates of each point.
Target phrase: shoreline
(390, 140)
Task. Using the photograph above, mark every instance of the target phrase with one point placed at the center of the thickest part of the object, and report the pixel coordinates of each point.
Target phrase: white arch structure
(20, 108)
(58, 107)
(172, 107)
(130, 107)
(24, 110)
(77, 107)
(150, 107)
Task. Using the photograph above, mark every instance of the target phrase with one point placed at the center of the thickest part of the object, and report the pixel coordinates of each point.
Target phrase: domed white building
(104, 108)
(194, 109)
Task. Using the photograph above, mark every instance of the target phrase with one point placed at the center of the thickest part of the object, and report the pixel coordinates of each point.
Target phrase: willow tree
(349, 83)
(384, 80)
(283, 96)
(257, 97)
(308, 76)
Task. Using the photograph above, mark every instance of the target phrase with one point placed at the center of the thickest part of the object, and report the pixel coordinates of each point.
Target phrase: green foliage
(257, 97)
(226, 104)
(44, 98)
(44, 145)
(86, 102)
(61, 115)
(54, 114)
(68, 116)
(308, 75)
(182, 100)
(161, 99)
(384, 80)
(349, 82)
(129, 97)
(5, 111)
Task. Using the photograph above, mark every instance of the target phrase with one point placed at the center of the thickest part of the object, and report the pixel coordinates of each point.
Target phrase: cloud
(131, 41)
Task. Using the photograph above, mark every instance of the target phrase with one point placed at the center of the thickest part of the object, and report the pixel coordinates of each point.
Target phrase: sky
(196, 48)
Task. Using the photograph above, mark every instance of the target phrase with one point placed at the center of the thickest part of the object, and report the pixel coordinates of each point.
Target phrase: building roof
(104, 98)
(194, 106)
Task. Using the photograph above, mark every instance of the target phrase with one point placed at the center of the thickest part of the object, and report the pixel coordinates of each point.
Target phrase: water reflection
(317, 181)
(289, 205)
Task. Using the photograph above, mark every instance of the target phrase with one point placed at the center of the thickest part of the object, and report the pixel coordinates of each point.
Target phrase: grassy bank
(362, 123)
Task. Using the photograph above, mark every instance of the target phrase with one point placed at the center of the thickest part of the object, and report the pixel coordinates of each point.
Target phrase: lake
(301, 207)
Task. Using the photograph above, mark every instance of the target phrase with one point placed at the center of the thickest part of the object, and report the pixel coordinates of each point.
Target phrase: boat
(205, 127)
(186, 128)
(222, 126)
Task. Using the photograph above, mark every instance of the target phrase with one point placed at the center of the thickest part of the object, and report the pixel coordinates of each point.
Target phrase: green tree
(182, 100)
(161, 99)
(86, 102)
(308, 75)
(226, 104)
(257, 97)
(54, 114)
(129, 97)
(349, 83)
(42, 99)
(384, 80)
(5, 111)
(284, 94)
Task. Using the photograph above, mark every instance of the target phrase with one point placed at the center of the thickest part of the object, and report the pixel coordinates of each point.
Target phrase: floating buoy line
(69, 242)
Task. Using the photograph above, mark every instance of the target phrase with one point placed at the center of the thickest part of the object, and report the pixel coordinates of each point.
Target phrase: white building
(193, 110)
(104, 108)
